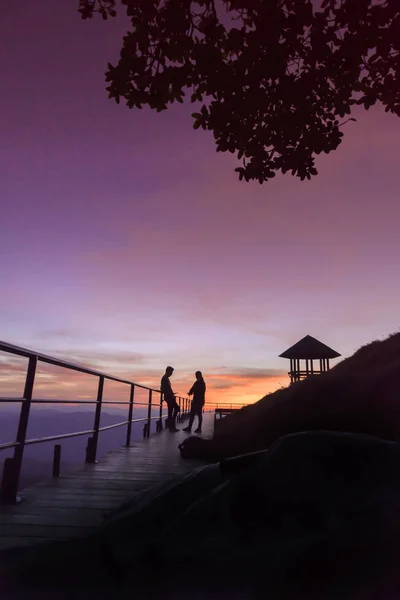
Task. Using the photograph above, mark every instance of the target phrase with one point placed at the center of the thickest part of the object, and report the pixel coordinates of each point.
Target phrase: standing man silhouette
(198, 390)
(169, 397)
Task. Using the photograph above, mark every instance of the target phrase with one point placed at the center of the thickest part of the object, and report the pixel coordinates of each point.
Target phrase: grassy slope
(359, 395)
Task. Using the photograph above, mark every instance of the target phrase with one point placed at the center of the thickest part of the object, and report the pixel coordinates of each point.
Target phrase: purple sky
(128, 243)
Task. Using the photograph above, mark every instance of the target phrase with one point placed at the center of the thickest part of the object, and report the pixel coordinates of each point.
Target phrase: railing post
(161, 401)
(91, 449)
(149, 413)
(56, 460)
(12, 471)
(130, 415)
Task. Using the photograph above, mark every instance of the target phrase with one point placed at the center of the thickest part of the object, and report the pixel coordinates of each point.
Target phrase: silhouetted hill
(359, 395)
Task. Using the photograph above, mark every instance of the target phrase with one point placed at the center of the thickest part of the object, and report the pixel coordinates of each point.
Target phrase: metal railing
(226, 405)
(13, 465)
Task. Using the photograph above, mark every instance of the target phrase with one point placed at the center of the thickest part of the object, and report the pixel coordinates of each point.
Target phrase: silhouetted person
(169, 397)
(198, 390)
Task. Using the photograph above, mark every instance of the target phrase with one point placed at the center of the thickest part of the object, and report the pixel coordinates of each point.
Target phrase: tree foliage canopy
(274, 78)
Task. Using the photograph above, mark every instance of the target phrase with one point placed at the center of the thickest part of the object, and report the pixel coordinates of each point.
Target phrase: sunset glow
(128, 244)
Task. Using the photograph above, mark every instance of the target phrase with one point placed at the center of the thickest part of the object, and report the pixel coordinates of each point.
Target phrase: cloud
(14, 364)
(224, 384)
(58, 333)
(238, 379)
(117, 360)
(246, 373)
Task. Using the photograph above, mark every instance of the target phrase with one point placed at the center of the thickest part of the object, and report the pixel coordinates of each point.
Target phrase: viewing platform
(75, 503)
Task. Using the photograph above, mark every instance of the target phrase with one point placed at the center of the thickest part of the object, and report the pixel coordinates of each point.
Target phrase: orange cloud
(224, 386)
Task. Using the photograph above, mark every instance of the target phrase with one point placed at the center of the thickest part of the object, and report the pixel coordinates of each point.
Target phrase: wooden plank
(117, 477)
(134, 476)
(11, 541)
(40, 530)
(76, 492)
(64, 518)
(144, 457)
(78, 500)
(47, 531)
(67, 503)
(10, 511)
(97, 484)
(139, 465)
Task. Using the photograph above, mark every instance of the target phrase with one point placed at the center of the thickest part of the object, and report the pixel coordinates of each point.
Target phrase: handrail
(12, 466)
(6, 445)
(11, 399)
(226, 405)
(63, 436)
(59, 362)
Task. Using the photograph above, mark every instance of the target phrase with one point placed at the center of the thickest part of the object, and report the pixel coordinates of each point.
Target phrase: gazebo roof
(309, 347)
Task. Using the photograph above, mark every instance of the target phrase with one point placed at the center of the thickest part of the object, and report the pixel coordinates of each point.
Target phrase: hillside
(359, 395)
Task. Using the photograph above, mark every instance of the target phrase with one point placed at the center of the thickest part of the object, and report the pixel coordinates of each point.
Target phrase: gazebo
(308, 349)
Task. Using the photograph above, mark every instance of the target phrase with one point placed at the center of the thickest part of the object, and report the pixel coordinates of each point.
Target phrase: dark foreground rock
(316, 517)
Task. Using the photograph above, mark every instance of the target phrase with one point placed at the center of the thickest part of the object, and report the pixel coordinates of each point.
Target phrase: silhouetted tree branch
(273, 76)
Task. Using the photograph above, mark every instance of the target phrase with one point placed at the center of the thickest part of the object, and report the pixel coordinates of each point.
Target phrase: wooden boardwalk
(76, 503)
